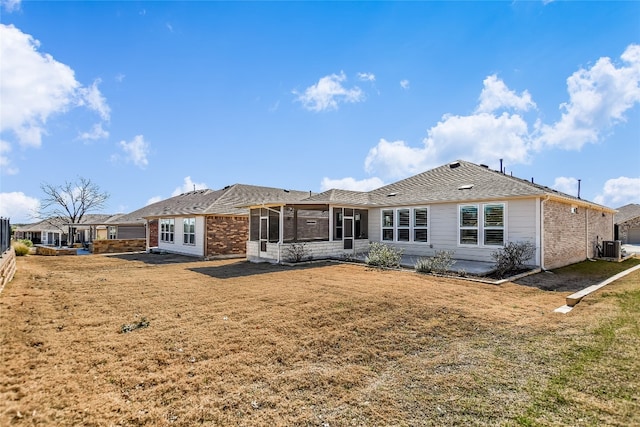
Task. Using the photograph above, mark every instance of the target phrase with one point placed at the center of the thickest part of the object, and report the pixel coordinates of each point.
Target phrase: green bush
(20, 248)
(28, 243)
(383, 256)
(512, 257)
(438, 264)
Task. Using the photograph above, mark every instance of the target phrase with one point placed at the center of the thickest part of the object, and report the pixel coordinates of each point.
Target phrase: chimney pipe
(579, 188)
(501, 170)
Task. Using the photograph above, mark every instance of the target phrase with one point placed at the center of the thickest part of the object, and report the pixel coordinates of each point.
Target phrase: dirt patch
(234, 343)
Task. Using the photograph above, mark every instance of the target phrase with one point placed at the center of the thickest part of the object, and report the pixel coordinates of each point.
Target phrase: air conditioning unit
(611, 248)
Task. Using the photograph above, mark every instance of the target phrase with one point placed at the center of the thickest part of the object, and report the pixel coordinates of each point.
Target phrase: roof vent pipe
(501, 170)
(579, 188)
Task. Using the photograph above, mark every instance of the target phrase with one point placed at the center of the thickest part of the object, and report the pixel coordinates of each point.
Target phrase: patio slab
(479, 268)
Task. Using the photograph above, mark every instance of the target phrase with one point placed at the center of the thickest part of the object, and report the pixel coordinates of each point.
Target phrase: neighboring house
(55, 231)
(627, 224)
(119, 233)
(461, 206)
(208, 223)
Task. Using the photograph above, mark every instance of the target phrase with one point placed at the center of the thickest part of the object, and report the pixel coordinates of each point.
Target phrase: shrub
(20, 248)
(439, 264)
(28, 243)
(297, 252)
(512, 257)
(383, 256)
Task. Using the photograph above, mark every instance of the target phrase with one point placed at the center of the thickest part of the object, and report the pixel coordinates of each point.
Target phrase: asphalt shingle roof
(627, 212)
(459, 181)
(220, 202)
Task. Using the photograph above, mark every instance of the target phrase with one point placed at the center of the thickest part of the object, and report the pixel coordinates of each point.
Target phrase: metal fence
(5, 234)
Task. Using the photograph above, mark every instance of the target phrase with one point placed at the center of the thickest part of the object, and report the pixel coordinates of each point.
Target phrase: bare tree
(71, 201)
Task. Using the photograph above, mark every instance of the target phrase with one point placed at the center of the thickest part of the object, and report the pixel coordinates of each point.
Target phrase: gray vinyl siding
(443, 229)
(131, 232)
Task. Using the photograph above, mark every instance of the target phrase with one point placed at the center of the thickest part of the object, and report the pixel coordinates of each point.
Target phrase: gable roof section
(462, 181)
(218, 202)
(627, 212)
(335, 195)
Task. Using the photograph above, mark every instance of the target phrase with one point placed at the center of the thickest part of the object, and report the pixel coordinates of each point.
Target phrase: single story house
(55, 231)
(461, 206)
(627, 224)
(207, 223)
(119, 233)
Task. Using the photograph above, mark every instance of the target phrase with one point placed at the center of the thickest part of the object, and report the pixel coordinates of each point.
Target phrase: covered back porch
(296, 232)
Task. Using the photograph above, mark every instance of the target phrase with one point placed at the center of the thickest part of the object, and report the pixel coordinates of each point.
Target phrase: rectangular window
(485, 227)
(420, 225)
(494, 224)
(167, 226)
(469, 225)
(387, 225)
(403, 225)
(113, 232)
(189, 231)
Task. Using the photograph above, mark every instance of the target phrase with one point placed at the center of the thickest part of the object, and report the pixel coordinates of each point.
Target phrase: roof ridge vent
(454, 165)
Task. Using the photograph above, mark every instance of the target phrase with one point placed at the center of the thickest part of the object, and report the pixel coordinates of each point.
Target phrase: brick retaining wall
(112, 246)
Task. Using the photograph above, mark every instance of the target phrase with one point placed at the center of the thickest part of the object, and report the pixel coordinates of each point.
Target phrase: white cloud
(567, 185)
(136, 151)
(404, 84)
(96, 132)
(153, 200)
(620, 191)
(599, 97)
(496, 95)
(189, 185)
(367, 77)
(5, 162)
(395, 159)
(10, 5)
(328, 93)
(480, 138)
(351, 184)
(34, 87)
(91, 97)
(18, 207)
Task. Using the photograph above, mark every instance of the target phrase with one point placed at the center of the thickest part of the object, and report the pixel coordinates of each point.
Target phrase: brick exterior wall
(226, 235)
(153, 233)
(566, 238)
(112, 246)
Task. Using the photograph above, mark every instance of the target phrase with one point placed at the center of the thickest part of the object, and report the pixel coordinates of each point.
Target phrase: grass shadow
(246, 268)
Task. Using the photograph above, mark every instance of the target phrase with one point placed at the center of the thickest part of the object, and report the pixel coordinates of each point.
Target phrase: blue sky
(151, 99)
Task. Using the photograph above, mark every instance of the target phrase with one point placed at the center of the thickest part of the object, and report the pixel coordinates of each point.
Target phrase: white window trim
(481, 227)
(412, 227)
(184, 221)
(172, 233)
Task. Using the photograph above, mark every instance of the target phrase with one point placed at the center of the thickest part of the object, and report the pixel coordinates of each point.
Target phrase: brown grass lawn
(231, 343)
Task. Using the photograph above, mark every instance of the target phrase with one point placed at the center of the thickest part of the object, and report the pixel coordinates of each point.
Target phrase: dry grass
(232, 343)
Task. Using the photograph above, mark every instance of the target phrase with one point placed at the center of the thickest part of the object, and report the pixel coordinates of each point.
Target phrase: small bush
(439, 264)
(512, 257)
(28, 243)
(383, 256)
(21, 249)
(297, 252)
